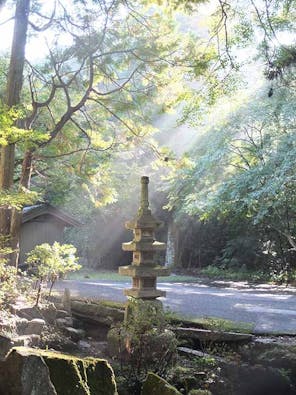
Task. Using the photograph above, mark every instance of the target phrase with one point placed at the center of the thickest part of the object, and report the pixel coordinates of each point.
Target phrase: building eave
(32, 212)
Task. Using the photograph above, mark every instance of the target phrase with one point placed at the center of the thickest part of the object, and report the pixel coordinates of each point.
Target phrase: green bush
(8, 274)
(8, 281)
(49, 262)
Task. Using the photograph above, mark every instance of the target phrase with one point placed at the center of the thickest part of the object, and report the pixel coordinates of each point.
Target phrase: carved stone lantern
(143, 270)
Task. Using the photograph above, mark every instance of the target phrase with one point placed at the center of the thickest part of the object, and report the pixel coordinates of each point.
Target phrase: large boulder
(155, 385)
(28, 371)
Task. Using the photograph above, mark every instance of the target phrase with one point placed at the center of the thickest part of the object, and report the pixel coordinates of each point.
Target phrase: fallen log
(205, 335)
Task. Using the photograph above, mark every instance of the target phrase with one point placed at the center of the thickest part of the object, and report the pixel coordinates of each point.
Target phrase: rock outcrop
(27, 371)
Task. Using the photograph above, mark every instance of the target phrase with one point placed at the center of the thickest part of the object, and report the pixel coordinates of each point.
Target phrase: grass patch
(211, 323)
(210, 272)
(254, 276)
(90, 274)
(221, 324)
(108, 275)
(111, 303)
(218, 273)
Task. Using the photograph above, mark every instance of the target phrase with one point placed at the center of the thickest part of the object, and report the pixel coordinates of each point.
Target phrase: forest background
(198, 95)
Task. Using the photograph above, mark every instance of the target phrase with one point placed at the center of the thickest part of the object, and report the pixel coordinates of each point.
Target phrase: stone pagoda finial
(144, 193)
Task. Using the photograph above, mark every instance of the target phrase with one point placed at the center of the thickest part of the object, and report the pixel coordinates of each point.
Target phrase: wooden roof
(32, 212)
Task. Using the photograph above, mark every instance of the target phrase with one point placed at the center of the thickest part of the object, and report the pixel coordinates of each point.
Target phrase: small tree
(51, 262)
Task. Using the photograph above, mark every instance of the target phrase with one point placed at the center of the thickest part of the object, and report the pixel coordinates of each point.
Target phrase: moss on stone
(155, 385)
(69, 374)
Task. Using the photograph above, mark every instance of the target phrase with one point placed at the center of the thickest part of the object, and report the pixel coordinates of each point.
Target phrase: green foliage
(188, 375)
(237, 274)
(146, 343)
(144, 316)
(8, 281)
(8, 274)
(18, 199)
(89, 99)
(137, 62)
(11, 134)
(53, 260)
(49, 262)
(241, 173)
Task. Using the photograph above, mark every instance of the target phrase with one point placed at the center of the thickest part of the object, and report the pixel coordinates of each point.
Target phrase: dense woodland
(83, 88)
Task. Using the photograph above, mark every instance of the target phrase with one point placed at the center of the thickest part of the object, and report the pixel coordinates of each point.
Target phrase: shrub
(143, 343)
(49, 262)
(8, 274)
(8, 279)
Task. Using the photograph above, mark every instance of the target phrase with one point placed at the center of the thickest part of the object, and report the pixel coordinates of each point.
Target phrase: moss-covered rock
(29, 371)
(155, 385)
(96, 312)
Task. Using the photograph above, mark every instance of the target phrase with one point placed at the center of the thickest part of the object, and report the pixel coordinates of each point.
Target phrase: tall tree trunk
(8, 219)
(16, 215)
(171, 245)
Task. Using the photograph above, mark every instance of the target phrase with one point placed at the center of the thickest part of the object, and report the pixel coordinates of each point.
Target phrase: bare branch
(7, 20)
(116, 116)
(72, 109)
(48, 24)
(224, 6)
(119, 87)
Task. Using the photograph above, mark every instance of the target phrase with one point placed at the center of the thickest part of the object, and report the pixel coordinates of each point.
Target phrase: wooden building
(42, 223)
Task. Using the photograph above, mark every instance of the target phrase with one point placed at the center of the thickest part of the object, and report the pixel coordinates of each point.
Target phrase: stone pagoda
(143, 270)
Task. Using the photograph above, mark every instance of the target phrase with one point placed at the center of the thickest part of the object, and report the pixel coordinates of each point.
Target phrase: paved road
(269, 308)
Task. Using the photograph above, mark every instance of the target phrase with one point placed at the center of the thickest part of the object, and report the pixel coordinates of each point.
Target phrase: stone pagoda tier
(143, 270)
